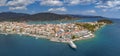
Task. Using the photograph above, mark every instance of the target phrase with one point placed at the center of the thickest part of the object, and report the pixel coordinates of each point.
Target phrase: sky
(106, 8)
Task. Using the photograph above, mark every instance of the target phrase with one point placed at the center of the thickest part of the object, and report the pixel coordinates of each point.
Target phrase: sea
(105, 43)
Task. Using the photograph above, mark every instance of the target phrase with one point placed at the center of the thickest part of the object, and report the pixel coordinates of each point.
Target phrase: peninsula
(67, 32)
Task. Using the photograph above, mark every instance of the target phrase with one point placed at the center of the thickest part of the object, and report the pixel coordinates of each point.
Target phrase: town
(64, 32)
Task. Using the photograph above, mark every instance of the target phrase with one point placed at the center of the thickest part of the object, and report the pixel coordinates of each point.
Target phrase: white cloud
(22, 4)
(104, 10)
(61, 9)
(109, 5)
(118, 8)
(76, 2)
(72, 2)
(19, 4)
(51, 2)
(89, 12)
(18, 8)
(2, 2)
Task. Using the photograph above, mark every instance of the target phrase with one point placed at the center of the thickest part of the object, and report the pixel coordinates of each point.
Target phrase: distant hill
(86, 16)
(11, 16)
(48, 16)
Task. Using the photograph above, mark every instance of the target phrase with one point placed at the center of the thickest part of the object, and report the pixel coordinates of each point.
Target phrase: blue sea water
(105, 43)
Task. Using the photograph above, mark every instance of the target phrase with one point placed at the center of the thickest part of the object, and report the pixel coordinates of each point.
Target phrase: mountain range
(46, 16)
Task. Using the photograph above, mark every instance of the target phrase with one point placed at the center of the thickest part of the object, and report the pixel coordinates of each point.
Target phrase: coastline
(70, 42)
(65, 33)
(44, 37)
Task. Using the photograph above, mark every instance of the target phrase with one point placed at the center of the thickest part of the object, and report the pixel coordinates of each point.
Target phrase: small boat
(72, 44)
